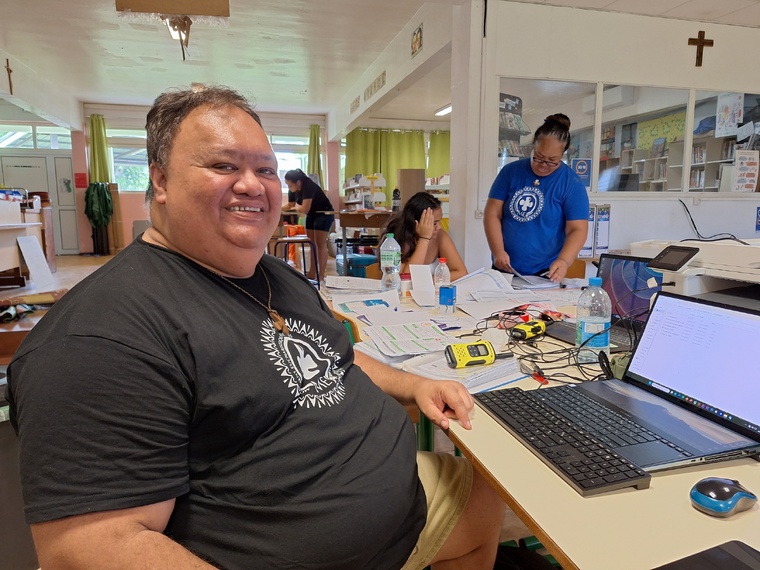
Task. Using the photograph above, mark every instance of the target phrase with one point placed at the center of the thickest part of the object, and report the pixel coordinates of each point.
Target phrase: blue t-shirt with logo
(535, 211)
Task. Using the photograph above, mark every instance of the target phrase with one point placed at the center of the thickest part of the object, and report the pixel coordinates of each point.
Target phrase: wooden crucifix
(9, 70)
(701, 43)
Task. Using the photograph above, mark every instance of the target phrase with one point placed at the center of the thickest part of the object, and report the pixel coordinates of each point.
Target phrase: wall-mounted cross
(701, 43)
(9, 70)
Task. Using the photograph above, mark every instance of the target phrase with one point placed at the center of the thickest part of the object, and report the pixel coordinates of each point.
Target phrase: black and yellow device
(463, 354)
(531, 329)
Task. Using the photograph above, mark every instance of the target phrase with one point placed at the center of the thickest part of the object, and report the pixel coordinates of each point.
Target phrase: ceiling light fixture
(179, 28)
(445, 110)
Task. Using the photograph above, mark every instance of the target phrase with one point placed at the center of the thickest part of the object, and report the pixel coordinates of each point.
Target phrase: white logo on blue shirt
(307, 363)
(526, 204)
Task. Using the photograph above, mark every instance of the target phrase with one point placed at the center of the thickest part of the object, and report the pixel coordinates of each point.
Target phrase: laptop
(690, 381)
(626, 280)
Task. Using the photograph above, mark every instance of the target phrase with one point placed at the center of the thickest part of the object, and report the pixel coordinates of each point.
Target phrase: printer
(727, 271)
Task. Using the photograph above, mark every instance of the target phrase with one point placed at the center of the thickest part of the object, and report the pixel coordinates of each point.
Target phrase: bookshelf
(652, 173)
(706, 157)
(441, 191)
(511, 127)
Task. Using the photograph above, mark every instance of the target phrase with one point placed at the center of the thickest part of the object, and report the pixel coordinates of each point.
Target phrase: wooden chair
(425, 428)
(373, 271)
(577, 270)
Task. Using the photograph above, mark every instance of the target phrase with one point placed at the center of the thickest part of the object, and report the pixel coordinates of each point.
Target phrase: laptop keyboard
(583, 461)
(605, 424)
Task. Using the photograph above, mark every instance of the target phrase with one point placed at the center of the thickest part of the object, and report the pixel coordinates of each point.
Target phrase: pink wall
(332, 152)
(132, 208)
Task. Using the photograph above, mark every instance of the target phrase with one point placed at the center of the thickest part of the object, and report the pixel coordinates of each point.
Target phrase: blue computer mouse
(721, 497)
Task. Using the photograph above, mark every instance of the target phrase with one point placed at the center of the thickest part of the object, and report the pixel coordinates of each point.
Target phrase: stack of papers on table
(474, 378)
(409, 339)
(532, 282)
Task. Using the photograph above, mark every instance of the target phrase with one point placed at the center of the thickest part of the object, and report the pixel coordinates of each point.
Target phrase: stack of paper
(474, 378)
(410, 338)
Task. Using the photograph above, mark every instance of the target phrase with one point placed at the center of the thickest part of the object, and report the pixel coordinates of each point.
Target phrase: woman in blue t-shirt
(306, 197)
(536, 217)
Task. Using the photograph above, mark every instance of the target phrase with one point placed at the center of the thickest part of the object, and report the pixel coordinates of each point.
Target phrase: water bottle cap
(441, 260)
(595, 281)
(389, 235)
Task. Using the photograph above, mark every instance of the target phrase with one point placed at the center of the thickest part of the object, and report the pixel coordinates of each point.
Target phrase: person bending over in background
(417, 229)
(536, 216)
(194, 404)
(306, 197)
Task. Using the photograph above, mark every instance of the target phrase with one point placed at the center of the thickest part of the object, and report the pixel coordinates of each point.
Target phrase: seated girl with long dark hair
(417, 229)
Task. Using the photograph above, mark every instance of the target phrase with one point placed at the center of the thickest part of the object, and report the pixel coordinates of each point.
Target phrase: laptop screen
(700, 354)
(625, 277)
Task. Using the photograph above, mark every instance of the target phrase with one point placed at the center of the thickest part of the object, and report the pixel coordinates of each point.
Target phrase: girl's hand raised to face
(426, 224)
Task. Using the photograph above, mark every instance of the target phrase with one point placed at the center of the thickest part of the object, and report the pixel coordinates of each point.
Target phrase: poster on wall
(730, 114)
(745, 172)
(582, 167)
(29, 172)
(587, 251)
(417, 40)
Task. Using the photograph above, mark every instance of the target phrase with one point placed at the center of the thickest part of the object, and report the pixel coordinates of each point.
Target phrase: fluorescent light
(443, 111)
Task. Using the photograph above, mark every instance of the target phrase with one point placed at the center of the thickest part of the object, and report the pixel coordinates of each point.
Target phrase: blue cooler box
(357, 262)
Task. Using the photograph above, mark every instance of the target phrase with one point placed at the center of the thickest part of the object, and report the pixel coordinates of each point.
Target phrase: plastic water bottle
(442, 276)
(396, 201)
(593, 316)
(390, 263)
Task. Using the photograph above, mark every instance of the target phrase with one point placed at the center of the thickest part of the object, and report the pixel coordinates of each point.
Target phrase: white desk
(626, 529)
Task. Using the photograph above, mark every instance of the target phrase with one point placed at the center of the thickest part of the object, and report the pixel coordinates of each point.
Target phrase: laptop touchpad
(649, 453)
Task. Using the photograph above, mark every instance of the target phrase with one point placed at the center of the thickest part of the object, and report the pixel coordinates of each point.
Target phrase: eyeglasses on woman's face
(542, 161)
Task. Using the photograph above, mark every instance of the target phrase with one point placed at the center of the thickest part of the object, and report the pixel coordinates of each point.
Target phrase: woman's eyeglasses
(548, 163)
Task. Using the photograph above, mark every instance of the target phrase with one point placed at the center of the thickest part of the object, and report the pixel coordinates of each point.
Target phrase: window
(129, 159)
(54, 138)
(35, 136)
(292, 152)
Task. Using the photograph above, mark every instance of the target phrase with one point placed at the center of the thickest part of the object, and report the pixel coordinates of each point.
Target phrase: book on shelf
(728, 150)
(697, 179)
(658, 148)
(698, 154)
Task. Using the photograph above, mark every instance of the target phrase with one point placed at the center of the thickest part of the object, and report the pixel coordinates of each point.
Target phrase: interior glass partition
(642, 138)
(525, 103)
(724, 148)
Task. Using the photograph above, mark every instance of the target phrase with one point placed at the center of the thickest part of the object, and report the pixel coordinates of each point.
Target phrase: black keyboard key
(585, 463)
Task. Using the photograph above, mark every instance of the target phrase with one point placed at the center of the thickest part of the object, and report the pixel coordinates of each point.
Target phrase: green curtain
(401, 149)
(439, 154)
(314, 163)
(100, 170)
(369, 151)
(362, 152)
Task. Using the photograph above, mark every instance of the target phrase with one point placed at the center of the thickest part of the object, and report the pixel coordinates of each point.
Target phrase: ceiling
(297, 56)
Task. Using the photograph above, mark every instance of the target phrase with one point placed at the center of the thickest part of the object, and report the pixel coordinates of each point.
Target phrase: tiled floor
(73, 268)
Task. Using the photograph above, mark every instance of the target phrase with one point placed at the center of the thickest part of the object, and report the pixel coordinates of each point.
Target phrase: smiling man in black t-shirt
(193, 404)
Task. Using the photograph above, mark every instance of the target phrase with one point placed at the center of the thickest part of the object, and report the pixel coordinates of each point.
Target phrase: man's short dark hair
(172, 107)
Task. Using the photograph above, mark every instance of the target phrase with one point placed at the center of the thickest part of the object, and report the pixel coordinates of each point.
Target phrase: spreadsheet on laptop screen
(703, 354)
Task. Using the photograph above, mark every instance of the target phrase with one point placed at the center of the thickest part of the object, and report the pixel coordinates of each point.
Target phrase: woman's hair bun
(560, 118)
